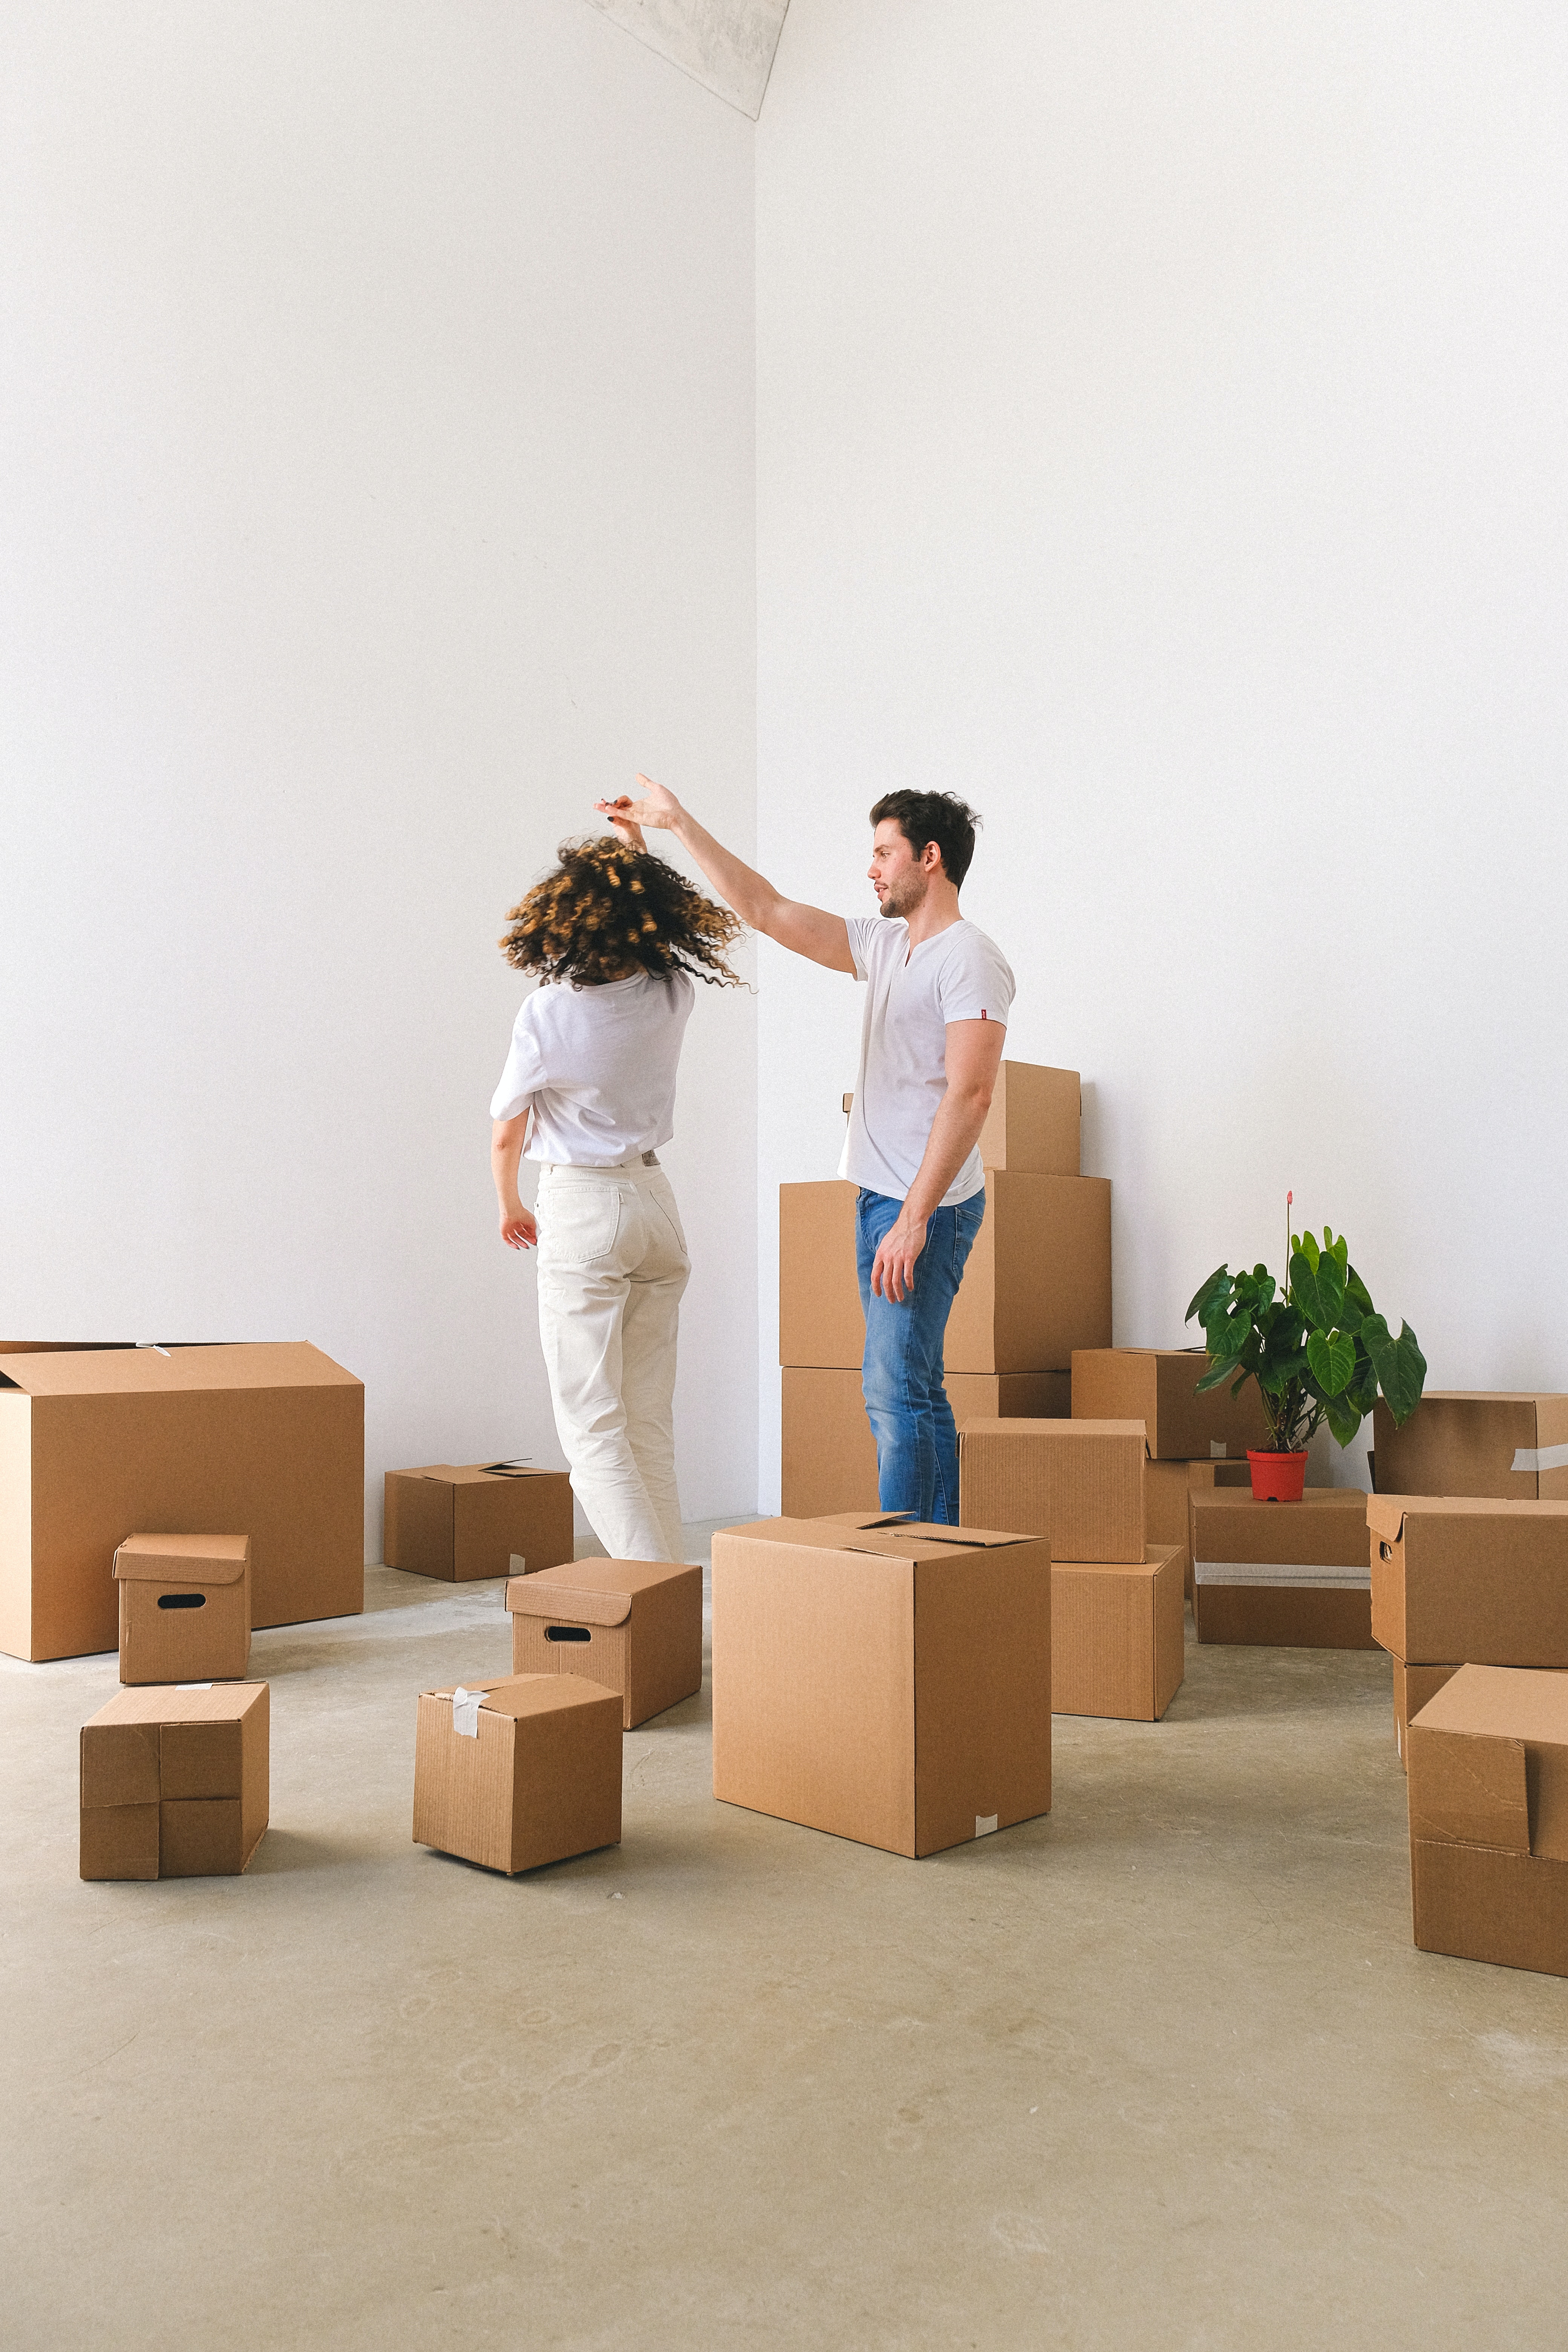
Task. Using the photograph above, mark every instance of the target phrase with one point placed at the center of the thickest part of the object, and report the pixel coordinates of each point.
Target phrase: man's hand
(659, 808)
(519, 1227)
(615, 812)
(893, 1268)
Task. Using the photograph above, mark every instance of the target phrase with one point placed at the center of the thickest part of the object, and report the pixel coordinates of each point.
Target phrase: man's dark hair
(941, 817)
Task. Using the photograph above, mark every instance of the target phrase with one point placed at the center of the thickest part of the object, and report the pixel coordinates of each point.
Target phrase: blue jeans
(901, 1376)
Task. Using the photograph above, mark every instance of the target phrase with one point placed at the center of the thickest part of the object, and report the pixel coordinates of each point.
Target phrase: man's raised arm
(806, 930)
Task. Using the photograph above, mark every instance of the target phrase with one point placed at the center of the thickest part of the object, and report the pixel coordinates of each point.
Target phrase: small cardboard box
(1488, 1819)
(465, 1521)
(633, 1625)
(519, 1772)
(1413, 1686)
(1158, 1387)
(1079, 1483)
(97, 1441)
(1035, 1121)
(830, 1454)
(1287, 1575)
(1038, 1284)
(1507, 1444)
(1469, 1577)
(1117, 1634)
(174, 1782)
(886, 1682)
(184, 1607)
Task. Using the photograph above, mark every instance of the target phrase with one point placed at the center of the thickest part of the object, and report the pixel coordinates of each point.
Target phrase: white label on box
(1216, 1450)
(193, 1685)
(1272, 1571)
(983, 1824)
(466, 1711)
(1534, 1459)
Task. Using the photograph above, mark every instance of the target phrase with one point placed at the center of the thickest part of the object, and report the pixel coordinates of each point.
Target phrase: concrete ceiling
(726, 45)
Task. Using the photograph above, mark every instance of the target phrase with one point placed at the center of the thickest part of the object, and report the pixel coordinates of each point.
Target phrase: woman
(616, 937)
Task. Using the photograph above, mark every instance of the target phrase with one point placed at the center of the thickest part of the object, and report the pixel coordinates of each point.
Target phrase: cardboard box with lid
(174, 1782)
(1285, 1575)
(519, 1772)
(1117, 1634)
(633, 1625)
(98, 1442)
(830, 1454)
(466, 1520)
(184, 1607)
(1079, 1483)
(880, 1680)
(1488, 1819)
(1508, 1445)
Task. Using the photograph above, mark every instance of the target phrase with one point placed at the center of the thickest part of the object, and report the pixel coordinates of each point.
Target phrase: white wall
(377, 449)
(1161, 441)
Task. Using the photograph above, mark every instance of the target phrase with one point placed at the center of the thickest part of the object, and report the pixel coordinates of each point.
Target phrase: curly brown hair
(610, 909)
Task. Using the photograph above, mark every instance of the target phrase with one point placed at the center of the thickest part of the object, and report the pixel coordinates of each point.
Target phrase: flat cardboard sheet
(1158, 1387)
(1077, 1482)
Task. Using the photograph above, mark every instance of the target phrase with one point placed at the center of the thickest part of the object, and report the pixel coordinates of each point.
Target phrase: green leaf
(1400, 1366)
(1318, 1287)
(1356, 1292)
(1333, 1358)
(1343, 1419)
(1219, 1370)
(1220, 1277)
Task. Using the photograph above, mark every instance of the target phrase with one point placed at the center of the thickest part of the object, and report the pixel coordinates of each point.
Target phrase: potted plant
(1320, 1351)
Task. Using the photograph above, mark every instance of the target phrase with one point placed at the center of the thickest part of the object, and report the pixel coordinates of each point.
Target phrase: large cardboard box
(1413, 1686)
(634, 1625)
(98, 1442)
(1158, 1387)
(174, 1782)
(1288, 1575)
(1038, 1284)
(890, 1683)
(1488, 1819)
(184, 1607)
(1117, 1634)
(830, 1454)
(1035, 1121)
(1510, 1444)
(515, 1774)
(1469, 1577)
(1079, 1483)
(464, 1521)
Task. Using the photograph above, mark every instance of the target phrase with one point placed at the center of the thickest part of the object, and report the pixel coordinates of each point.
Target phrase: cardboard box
(890, 1683)
(1288, 1575)
(479, 1519)
(1507, 1444)
(174, 1782)
(830, 1454)
(98, 1442)
(1117, 1634)
(1488, 1819)
(519, 1772)
(1469, 1577)
(1038, 1284)
(1079, 1483)
(1413, 1686)
(1166, 1487)
(1035, 1121)
(633, 1625)
(184, 1607)
(1157, 1386)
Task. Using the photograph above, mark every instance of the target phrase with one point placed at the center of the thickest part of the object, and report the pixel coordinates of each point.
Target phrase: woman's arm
(518, 1228)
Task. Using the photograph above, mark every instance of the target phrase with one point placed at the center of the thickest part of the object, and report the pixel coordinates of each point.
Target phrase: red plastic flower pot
(1278, 1477)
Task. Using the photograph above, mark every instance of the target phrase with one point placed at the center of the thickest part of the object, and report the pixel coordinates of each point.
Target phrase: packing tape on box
(465, 1707)
(1216, 1450)
(1541, 1457)
(1306, 1575)
(983, 1824)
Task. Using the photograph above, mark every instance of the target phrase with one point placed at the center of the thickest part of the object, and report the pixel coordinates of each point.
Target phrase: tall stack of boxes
(1195, 1443)
(1037, 1286)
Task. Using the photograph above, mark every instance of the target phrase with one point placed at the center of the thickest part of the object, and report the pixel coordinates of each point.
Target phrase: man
(939, 994)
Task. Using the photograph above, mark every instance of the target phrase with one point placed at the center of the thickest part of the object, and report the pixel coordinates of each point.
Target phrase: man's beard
(905, 895)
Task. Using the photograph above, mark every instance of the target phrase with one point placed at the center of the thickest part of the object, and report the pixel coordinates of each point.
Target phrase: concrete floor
(1163, 2070)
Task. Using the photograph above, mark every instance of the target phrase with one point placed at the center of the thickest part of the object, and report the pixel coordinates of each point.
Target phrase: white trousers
(612, 1268)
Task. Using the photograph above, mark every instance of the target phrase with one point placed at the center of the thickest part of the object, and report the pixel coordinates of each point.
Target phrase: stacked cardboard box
(1037, 1286)
(1488, 1819)
(1195, 1443)
(1510, 1445)
(1465, 1580)
(1116, 1599)
(1289, 1575)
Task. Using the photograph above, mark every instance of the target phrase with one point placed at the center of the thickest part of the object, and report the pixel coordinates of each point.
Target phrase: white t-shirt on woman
(597, 1066)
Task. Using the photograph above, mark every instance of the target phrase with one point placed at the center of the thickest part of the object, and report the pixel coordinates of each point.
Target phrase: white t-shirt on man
(599, 1066)
(911, 995)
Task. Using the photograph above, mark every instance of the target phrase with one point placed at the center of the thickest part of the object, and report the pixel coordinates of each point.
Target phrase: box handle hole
(181, 1600)
(567, 1633)
(1385, 1550)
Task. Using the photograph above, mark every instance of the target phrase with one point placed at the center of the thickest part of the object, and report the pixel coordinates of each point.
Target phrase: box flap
(167, 1703)
(132, 1372)
(519, 1695)
(1468, 1789)
(183, 1559)
(1386, 1516)
(566, 1603)
(1465, 1506)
